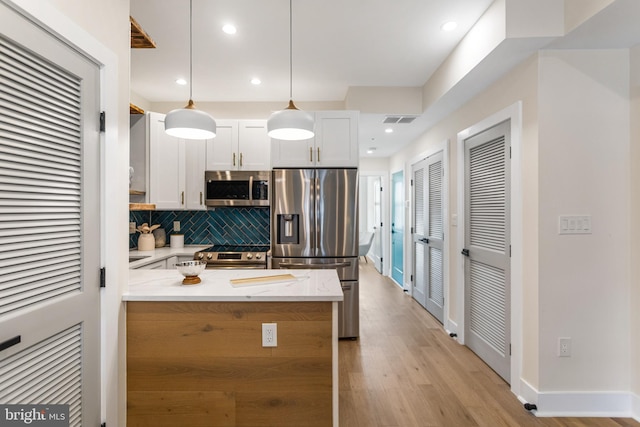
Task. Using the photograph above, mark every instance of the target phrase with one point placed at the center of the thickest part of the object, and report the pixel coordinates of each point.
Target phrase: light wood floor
(405, 371)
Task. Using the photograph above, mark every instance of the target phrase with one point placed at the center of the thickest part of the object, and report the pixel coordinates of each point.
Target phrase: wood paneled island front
(195, 355)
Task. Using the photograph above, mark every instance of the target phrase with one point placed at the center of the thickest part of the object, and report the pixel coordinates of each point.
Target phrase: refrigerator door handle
(314, 266)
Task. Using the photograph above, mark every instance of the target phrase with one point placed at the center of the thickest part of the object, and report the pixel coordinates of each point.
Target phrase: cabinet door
(292, 153)
(336, 139)
(222, 151)
(195, 158)
(254, 145)
(166, 166)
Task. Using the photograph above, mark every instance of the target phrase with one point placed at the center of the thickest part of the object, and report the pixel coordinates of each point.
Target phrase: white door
(428, 235)
(195, 154)
(376, 210)
(222, 151)
(487, 247)
(49, 222)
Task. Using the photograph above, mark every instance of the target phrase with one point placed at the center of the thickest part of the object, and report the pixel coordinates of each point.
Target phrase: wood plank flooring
(405, 371)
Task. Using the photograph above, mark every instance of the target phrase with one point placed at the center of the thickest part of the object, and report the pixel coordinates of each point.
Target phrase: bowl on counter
(191, 270)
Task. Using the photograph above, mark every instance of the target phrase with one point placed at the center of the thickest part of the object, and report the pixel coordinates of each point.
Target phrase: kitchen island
(195, 353)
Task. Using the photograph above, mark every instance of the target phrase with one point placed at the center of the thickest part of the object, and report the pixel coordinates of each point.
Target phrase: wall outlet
(269, 334)
(176, 225)
(132, 228)
(564, 347)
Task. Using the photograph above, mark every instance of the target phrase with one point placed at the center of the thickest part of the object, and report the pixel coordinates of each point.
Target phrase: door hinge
(412, 183)
(509, 349)
(509, 151)
(102, 121)
(411, 278)
(103, 277)
(103, 425)
(509, 251)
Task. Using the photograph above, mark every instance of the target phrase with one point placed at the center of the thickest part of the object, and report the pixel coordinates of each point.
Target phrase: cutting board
(261, 280)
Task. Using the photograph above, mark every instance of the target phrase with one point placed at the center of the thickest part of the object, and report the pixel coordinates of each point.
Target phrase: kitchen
(99, 23)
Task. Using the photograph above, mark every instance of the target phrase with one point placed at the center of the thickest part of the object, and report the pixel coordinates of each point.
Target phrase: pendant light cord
(190, 50)
(290, 50)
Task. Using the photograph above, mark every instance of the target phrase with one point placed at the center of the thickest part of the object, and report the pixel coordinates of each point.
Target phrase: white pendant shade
(189, 123)
(290, 124)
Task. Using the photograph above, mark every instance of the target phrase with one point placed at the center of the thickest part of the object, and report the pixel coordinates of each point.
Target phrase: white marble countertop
(148, 257)
(166, 285)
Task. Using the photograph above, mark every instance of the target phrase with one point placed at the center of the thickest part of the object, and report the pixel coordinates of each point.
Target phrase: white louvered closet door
(487, 244)
(428, 237)
(49, 222)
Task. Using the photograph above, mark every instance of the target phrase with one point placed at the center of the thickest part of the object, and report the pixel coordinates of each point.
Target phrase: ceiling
(336, 44)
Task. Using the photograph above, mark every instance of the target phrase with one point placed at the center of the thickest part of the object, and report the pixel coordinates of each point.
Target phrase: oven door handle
(300, 265)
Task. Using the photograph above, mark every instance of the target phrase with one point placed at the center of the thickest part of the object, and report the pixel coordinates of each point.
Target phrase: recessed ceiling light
(181, 82)
(449, 26)
(229, 29)
(371, 150)
(388, 130)
(255, 81)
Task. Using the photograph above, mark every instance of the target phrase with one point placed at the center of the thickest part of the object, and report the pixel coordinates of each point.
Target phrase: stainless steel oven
(234, 256)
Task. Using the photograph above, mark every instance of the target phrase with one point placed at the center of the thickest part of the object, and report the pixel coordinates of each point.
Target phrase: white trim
(444, 148)
(635, 407)
(59, 25)
(513, 113)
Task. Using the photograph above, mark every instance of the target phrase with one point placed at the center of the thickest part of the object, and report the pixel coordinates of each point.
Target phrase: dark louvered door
(487, 246)
(428, 236)
(49, 222)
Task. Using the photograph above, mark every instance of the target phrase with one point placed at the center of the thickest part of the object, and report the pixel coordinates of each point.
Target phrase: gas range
(234, 256)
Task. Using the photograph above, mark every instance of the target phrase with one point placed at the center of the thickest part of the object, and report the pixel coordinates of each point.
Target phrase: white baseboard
(581, 404)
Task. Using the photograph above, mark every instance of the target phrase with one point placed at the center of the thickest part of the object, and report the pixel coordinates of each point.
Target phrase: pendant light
(291, 123)
(188, 122)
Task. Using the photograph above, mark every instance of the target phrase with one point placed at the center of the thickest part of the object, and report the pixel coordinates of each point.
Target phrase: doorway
(372, 214)
(397, 227)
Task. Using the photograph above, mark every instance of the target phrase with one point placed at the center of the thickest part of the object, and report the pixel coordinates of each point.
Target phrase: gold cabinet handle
(318, 159)
(182, 198)
(240, 159)
(234, 159)
(311, 154)
(201, 197)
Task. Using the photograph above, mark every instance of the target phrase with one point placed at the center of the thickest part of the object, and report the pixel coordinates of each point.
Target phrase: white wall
(583, 159)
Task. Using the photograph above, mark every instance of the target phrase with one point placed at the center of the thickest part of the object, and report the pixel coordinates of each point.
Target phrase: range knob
(258, 256)
(209, 256)
(249, 256)
(200, 256)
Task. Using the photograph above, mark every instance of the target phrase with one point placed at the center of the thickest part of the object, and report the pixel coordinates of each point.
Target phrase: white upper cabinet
(195, 160)
(335, 143)
(176, 168)
(239, 145)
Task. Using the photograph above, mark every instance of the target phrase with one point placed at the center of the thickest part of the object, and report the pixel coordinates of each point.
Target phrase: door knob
(424, 240)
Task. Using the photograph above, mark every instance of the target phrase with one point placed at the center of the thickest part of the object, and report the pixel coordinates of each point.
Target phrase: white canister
(176, 241)
(146, 242)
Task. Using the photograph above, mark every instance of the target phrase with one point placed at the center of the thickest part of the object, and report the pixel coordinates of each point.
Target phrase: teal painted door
(397, 227)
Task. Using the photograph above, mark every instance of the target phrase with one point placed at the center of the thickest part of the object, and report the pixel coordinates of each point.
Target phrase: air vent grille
(399, 119)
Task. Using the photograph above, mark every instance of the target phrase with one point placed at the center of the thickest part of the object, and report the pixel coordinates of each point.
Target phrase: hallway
(405, 371)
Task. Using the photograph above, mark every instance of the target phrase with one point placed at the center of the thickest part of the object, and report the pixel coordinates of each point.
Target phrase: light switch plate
(574, 224)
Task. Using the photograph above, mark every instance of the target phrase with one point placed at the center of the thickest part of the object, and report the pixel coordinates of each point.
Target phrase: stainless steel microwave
(237, 188)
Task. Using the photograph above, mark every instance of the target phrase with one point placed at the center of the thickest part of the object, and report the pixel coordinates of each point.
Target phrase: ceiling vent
(398, 119)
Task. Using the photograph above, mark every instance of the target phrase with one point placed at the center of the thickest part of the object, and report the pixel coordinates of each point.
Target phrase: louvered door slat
(435, 199)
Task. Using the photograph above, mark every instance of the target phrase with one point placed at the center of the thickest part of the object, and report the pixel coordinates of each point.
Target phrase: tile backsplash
(231, 226)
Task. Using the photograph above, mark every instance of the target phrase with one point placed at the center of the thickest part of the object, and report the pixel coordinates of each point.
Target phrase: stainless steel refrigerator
(314, 224)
